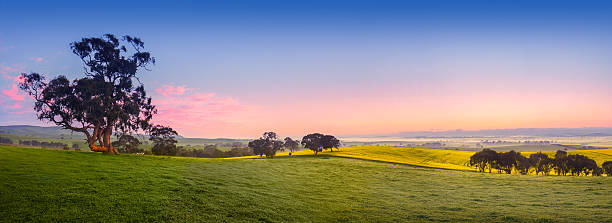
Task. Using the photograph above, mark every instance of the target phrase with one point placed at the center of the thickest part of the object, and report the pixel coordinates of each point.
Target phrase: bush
(607, 167)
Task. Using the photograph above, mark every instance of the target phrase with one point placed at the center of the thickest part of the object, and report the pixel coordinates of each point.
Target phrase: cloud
(13, 69)
(190, 111)
(13, 93)
(169, 90)
(36, 59)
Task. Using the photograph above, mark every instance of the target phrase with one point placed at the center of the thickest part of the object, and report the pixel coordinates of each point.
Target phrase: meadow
(55, 185)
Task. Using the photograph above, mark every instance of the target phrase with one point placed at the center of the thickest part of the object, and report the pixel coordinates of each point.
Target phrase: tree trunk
(109, 148)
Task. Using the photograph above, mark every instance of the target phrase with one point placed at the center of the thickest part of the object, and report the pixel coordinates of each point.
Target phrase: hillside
(58, 134)
(52, 185)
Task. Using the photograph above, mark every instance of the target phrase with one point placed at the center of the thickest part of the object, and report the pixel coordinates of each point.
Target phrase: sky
(240, 68)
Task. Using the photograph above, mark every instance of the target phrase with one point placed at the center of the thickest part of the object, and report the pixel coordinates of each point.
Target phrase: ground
(52, 185)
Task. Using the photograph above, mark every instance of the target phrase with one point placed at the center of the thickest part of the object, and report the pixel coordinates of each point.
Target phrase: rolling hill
(65, 186)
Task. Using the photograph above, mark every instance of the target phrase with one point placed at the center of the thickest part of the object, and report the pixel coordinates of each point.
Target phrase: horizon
(236, 70)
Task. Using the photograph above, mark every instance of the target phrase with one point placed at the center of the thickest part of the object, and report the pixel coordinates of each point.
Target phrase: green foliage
(108, 98)
(33, 187)
(266, 145)
(128, 144)
(163, 140)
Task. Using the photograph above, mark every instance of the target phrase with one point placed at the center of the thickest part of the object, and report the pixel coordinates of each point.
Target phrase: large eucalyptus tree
(109, 98)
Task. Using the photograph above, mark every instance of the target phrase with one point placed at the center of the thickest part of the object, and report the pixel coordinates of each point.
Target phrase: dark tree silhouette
(266, 145)
(523, 164)
(163, 139)
(108, 99)
(541, 163)
(580, 164)
(484, 159)
(561, 163)
(330, 142)
(127, 144)
(507, 161)
(607, 167)
(291, 145)
(313, 142)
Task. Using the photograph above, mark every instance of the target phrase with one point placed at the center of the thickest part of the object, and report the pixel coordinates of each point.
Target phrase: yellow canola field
(435, 158)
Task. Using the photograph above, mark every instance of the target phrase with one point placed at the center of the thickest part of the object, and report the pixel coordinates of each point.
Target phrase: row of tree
(561, 163)
(5, 141)
(269, 144)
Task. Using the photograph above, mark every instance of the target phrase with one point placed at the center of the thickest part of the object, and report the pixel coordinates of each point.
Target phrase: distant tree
(330, 142)
(258, 146)
(163, 140)
(580, 164)
(523, 164)
(597, 171)
(561, 163)
(607, 167)
(6, 141)
(541, 163)
(127, 144)
(484, 159)
(108, 99)
(507, 161)
(479, 161)
(75, 145)
(313, 142)
(291, 145)
(266, 145)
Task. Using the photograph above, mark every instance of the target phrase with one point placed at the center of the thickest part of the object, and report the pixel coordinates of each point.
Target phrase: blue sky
(344, 67)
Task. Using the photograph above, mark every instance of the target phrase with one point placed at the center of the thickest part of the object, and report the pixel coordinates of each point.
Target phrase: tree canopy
(110, 98)
(267, 145)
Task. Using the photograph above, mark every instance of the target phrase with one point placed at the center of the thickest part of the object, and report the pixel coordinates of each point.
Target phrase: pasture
(53, 185)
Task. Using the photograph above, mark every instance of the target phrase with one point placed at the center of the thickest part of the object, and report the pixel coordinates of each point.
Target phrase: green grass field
(61, 186)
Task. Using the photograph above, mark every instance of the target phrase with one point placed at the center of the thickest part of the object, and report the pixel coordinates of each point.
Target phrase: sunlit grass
(65, 186)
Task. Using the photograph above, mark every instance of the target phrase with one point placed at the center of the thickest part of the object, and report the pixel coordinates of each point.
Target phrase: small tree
(561, 163)
(483, 160)
(266, 145)
(127, 144)
(313, 142)
(541, 163)
(330, 142)
(507, 161)
(291, 145)
(523, 164)
(163, 140)
(607, 167)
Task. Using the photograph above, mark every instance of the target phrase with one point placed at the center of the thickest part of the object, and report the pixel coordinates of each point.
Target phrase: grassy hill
(52, 185)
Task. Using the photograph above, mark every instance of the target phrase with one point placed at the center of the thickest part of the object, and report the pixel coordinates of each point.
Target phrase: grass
(61, 186)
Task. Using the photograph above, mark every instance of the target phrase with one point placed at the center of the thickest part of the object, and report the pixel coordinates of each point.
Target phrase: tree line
(562, 163)
(269, 144)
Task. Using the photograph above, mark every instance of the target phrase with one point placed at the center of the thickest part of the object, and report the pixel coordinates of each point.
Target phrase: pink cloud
(192, 112)
(169, 90)
(14, 69)
(36, 59)
(13, 93)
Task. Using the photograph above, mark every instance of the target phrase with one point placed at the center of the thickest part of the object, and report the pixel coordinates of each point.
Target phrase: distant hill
(55, 132)
(536, 132)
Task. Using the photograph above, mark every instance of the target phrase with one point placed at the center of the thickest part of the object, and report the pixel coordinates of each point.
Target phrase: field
(52, 185)
(436, 158)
